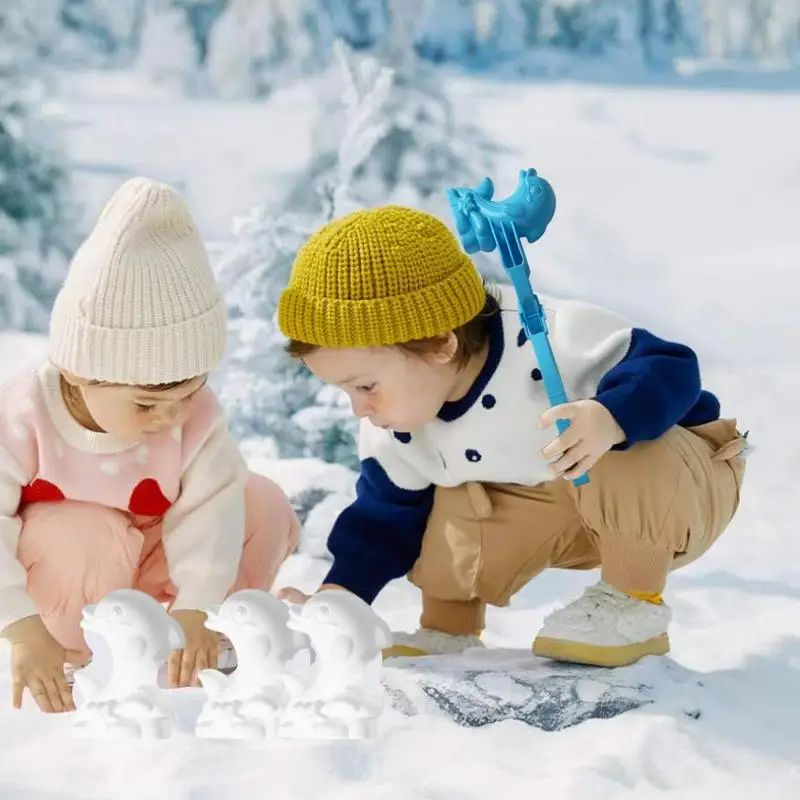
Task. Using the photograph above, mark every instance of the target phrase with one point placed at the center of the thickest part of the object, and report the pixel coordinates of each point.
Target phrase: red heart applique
(148, 500)
(41, 491)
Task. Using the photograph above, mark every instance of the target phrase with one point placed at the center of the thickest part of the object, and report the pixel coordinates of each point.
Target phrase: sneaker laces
(595, 602)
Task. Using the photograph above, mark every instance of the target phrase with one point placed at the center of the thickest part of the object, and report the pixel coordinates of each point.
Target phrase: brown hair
(157, 387)
(471, 336)
(77, 406)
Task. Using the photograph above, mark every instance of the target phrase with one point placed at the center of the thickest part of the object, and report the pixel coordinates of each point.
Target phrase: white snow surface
(225, 157)
(677, 208)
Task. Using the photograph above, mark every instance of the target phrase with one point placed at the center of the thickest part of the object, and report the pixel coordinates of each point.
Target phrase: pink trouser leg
(75, 554)
(272, 532)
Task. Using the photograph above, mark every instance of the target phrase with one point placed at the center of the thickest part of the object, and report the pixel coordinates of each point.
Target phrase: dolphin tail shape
(213, 681)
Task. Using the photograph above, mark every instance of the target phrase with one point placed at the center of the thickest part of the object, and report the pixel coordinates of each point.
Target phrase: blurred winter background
(669, 129)
(274, 116)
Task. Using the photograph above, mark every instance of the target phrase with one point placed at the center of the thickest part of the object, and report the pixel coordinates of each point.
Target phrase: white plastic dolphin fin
(212, 681)
(294, 685)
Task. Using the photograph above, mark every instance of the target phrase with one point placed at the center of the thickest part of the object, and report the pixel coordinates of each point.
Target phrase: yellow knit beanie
(379, 277)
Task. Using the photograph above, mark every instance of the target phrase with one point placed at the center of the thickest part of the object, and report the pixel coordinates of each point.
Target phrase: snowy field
(677, 208)
(225, 157)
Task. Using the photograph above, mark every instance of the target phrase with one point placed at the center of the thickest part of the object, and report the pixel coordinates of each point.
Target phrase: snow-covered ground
(677, 208)
(225, 157)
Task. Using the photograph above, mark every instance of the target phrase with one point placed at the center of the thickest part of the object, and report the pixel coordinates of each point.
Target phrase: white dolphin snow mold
(249, 703)
(346, 697)
(121, 699)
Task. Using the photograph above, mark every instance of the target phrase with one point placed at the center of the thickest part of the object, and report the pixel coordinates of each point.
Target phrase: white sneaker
(605, 628)
(425, 642)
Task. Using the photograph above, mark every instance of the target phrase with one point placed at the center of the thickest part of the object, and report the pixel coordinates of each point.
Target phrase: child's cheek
(136, 421)
(133, 422)
(382, 403)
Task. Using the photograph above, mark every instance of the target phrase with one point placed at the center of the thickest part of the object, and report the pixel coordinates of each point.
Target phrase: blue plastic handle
(486, 224)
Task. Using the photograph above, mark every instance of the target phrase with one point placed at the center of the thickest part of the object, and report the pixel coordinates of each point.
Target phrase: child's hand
(592, 432)
(292, 595)
(37, 663)
(200, 652)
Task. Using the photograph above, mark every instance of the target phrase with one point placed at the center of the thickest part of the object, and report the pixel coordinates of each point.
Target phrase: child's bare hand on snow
(200, 652)
(592, 432)
(37, 663)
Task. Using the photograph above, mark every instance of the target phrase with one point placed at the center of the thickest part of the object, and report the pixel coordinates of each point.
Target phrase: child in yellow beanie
(465, 484)
(116, 467)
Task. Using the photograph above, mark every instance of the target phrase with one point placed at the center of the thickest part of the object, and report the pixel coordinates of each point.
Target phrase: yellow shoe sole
(598, 656)
(400, 651)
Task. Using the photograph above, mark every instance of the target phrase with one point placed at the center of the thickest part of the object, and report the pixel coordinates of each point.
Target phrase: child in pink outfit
(116, 466)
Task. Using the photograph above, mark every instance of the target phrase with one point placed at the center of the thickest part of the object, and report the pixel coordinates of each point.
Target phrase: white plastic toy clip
(249, 703)
(119, 693)
(346, 697)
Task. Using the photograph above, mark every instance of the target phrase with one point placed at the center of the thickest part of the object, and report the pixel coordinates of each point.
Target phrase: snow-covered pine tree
(254, 46)
(447, 31)
(247, 48)
(266, 393)
(650, 33)
(168, 53)
(782, 25)
(531, 13)
(38, 219)
(751, 30)
(508, 28)
(257, 45)
(582, 27)
(427, 146)
(668, 30)
(359, 23)
(201, 18)
(99, 32)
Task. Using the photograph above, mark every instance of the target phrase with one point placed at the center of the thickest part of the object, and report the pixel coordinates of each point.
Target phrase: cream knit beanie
(140, 305)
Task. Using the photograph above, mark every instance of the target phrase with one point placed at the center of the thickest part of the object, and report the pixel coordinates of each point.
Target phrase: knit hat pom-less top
(379, 277)
(140, 305)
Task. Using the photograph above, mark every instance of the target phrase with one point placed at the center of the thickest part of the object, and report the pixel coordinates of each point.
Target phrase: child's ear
(448, 349)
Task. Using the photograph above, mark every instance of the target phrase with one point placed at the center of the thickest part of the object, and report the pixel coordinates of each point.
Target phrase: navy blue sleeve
(379, 536)
(652, 389)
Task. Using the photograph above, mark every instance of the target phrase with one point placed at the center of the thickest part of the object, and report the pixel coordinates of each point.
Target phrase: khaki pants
(647, 510)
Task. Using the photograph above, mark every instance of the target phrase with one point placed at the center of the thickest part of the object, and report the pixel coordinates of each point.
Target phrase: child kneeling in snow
(116, 466)
(459, 465)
